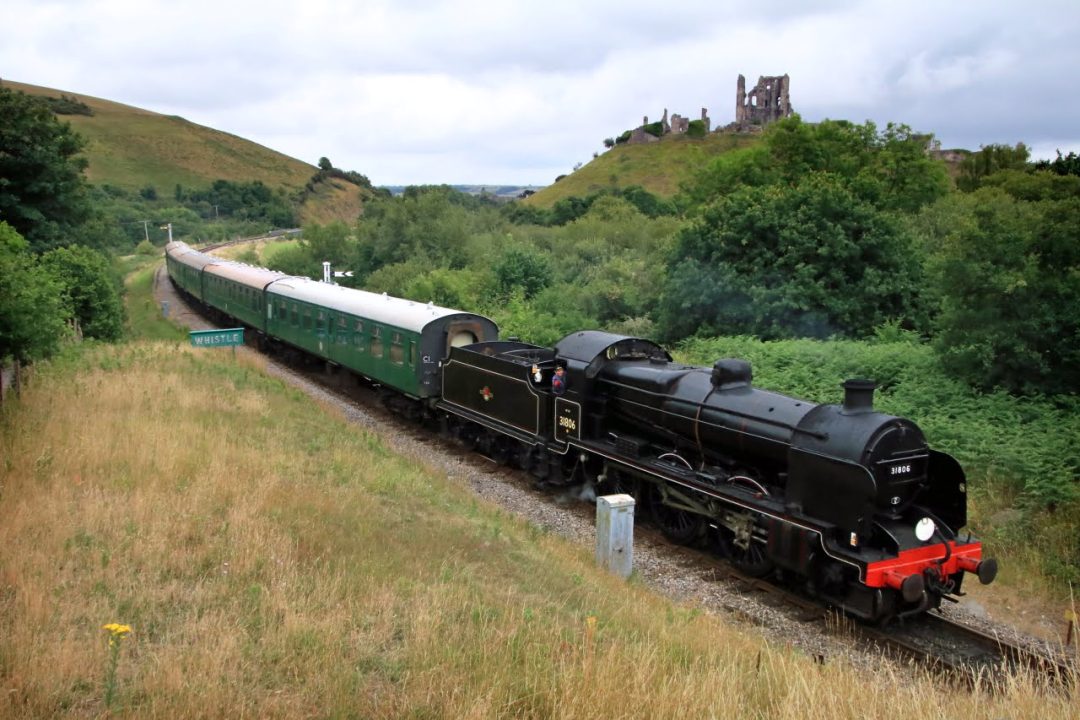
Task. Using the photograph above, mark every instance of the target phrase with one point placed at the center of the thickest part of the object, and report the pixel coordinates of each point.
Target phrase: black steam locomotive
(850, 500)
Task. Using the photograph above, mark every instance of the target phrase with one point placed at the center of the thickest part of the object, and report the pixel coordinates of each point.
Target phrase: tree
(91, 290)
(522, 269)
(990, 159)
(325, 165)
(1006, 273)
(42, 190)
(31, 312)
(809, 260)
(1067, 165)
(888, 169)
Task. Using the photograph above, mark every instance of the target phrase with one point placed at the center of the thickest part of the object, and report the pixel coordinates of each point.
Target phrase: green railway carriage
(185, 266)
(239, 290)
(398, 343)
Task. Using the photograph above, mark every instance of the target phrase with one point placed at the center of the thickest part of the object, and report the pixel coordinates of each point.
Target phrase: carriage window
(397, 351)
(358, 336)
(412, 353)
(376, 342)
(320, 324)
(307, 318)
(295, 316)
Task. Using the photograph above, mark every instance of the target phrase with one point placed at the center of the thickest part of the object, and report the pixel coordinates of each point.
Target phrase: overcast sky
(517, 92)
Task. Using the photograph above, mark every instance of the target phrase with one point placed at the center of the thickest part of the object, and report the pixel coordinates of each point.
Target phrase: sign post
(217, 338)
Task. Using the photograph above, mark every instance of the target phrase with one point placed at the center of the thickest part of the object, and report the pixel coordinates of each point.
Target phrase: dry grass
(276, 562)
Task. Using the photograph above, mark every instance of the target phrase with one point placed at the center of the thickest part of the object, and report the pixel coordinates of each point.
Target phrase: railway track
(957, 651)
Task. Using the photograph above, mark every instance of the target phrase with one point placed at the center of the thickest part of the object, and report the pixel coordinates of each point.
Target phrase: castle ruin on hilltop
(766, 102)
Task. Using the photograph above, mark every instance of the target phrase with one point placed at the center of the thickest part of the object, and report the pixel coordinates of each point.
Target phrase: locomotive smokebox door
(567, 420)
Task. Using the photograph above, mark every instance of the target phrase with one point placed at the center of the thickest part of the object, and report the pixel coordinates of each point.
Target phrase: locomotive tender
(849, 500)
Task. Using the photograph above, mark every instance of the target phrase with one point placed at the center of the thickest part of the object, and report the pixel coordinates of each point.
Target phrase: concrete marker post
(615, 533)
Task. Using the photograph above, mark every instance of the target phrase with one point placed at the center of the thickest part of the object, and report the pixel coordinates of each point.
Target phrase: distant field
(658, 167)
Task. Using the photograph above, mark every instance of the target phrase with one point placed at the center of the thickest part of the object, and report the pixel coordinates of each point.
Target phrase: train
(843, 500)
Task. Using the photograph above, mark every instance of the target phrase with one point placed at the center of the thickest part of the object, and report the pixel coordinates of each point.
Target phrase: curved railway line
(959, 651)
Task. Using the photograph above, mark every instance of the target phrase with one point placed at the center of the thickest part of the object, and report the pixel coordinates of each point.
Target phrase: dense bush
(888, 169)
(90, 289)
(808, 260)
(696, 129)
(988, 160)
(1007, 276)
(244, 201)
(67, 105)
(32, 314)
(524, 269)
(1067, 165)
(656, 129)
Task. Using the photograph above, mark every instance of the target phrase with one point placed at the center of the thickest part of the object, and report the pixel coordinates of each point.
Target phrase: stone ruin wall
(766, 102)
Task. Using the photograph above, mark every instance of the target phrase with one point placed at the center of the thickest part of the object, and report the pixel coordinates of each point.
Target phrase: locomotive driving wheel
(677, 525)
(741, 541)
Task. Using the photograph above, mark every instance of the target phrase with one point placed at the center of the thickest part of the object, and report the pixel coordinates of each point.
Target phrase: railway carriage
(239, 290)
(395, 342)
(185, 266)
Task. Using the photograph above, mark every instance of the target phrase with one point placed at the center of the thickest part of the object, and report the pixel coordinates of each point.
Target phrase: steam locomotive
(850, 501)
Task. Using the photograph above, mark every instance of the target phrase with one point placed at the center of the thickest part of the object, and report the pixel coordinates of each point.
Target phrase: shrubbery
(696, 129)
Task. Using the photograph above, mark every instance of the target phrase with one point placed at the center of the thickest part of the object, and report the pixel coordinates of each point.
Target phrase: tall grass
(274, 561)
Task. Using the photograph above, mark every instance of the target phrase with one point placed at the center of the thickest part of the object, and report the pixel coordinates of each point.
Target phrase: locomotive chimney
(858, 396)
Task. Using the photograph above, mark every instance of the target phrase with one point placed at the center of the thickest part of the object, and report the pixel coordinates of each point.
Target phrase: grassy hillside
(132, 148)
(658, 167)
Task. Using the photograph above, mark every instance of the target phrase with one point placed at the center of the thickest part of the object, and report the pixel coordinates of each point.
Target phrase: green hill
(132, 148)
(659, 167)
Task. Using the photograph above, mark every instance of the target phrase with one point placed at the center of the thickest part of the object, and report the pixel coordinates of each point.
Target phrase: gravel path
(672, 571)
